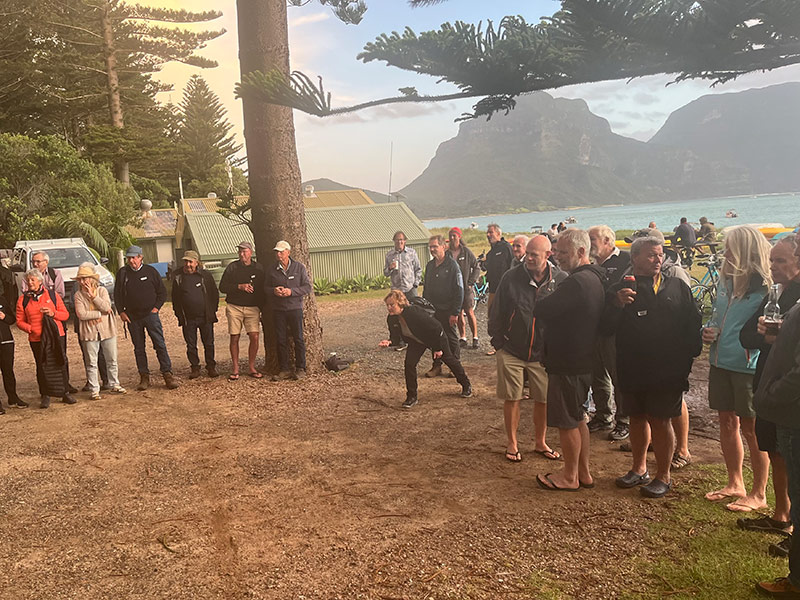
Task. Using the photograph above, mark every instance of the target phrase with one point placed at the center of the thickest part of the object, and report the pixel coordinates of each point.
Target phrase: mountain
(554, 152)
(328, 185)
(757, 130)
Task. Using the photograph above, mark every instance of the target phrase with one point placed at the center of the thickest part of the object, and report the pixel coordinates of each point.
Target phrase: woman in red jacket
(40, 311)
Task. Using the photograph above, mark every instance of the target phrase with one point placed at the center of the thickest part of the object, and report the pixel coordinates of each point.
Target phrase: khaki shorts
(248, 317)
(729, 391)
(511, 378)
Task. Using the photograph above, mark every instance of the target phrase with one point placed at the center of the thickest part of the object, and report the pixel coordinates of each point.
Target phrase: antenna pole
(391, 152)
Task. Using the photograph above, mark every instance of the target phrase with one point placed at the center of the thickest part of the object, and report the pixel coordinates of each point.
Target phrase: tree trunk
(121, 170)
(276, 199)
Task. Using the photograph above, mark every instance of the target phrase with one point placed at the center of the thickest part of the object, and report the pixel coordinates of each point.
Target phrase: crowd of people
(41, 311)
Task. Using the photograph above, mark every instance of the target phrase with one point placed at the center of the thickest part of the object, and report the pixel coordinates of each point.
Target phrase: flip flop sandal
(256, 375)
(549, 454)
(678, 461)
(233, 377)
(514, 457)
(546, 483)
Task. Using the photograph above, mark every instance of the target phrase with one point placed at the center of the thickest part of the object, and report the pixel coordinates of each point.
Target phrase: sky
(364, 149)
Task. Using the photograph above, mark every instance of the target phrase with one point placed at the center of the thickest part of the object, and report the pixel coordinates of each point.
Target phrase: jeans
(290, 321)
(414, 353)
(107, 348)
(451, 332)
(190, 329)
(102, 367)
(789, 447)
(604, 378)
(152, 324)
(7, 367)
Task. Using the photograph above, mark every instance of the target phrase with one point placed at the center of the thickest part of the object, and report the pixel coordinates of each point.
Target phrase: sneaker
(474, 343)
(781, 550)
(765, 524)
(462, 342)
(620, 432)
(435, 371)
(410, 401)
(118, 389)
(68, 399)
(400, 347)
(655, 489)
(466, 391)
(18, 402)
(631, 479)
(778, 588)
(597, 424)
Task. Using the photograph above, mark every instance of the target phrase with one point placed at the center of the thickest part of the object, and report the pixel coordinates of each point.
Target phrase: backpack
(423, 303)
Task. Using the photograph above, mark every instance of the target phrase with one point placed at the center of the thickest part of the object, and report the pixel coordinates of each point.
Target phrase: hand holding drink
(395, 265)
(772, 312)
(711, 329)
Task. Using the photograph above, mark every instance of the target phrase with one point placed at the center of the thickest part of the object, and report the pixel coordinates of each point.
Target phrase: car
(66, 255)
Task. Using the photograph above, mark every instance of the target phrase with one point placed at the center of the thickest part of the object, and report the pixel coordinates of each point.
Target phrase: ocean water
(773, 209)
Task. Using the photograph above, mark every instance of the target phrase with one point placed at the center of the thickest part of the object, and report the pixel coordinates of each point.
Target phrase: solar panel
(197, 206)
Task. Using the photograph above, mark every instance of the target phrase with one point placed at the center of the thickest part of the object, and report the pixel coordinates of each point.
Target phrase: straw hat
(86, 270)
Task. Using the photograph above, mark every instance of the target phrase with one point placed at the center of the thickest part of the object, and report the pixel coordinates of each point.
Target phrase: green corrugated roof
(338, 228)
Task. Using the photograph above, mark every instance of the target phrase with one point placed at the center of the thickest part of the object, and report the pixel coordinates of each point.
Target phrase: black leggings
(414, 353)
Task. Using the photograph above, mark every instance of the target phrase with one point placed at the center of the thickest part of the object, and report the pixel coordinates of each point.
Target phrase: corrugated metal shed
(329, 199)
(348, 227)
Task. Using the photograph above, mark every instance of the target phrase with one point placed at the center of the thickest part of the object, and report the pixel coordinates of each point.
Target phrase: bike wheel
(703, 298)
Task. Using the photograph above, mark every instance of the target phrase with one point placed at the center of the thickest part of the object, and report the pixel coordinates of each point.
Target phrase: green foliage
(381, 282)
(361, 283)
(343, 286)
(323, 287)
(218, 183)
(47, 190)
(205, 131)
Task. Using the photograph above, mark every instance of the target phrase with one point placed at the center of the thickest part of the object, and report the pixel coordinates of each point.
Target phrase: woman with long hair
(745, 278)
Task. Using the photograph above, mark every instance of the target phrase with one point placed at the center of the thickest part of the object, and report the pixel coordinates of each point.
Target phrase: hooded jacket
(732, 314)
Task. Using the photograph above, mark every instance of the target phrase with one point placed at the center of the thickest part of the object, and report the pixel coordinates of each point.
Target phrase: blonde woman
(97, 328)
(744, 282)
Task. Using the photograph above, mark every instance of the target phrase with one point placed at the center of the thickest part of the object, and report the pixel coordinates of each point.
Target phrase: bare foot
(724, 494)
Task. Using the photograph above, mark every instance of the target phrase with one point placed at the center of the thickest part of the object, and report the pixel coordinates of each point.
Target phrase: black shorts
(767, 435)
(657, 404)
(565, 397)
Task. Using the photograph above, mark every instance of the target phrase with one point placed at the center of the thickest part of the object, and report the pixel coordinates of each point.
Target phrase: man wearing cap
(470, 271)
(139, 294)
(195, 300)
(286, 284)
(243, 284)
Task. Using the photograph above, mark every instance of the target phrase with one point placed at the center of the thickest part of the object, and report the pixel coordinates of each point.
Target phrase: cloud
(307, 19)
(645, 98)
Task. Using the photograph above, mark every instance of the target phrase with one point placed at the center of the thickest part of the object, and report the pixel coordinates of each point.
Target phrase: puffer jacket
(727, 351)
(29, 314)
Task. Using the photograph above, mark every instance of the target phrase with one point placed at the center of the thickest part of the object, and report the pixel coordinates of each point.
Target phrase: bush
(381, 282)
(361, 283)
(323, 287)
(343, 286)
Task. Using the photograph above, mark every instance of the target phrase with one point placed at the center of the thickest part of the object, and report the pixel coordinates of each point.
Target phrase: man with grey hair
(604, 252)
(571, 316)
(518, 245)
(404, 270)
(657, 327)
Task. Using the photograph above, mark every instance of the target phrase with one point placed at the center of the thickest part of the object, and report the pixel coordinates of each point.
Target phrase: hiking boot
(655, 489)
(282, 376)
(195, 372)
(781, 549)
(620, 432)
(631, 479)
(170, 381)
(212, 371)
(18, 402)
(68, 399)
(144, 382)
(597, 424)
(435, 371)
(462, 342)
(410, 401)
(44, 402)
(299, 374)
(474, 343)
(778, 588)
(765, 524)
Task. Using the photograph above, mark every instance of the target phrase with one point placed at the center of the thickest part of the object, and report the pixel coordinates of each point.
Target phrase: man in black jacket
(287, 283)
(8, 317)
(498, 261)
(657, 327)
(470, 271)
(243, 286)
(195, 300)
(421, 331)
(571, 316)
(444, 288)
(605, 253)
(139, 294)
(517, 337)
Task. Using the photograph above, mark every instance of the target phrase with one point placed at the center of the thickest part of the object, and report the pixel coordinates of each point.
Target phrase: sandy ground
(323, 488)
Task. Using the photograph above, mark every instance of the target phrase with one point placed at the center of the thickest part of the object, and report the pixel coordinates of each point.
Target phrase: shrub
(323, 287)
(361, 283)
(343, 286)
(381, 282)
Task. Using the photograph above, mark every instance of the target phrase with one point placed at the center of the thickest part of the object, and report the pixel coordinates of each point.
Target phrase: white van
(66, 255)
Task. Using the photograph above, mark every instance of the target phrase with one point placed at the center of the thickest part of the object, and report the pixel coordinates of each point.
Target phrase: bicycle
(704, 290)
(480, 291)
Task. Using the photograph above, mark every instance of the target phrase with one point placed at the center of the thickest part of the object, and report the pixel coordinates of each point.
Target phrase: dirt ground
(323, 488)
